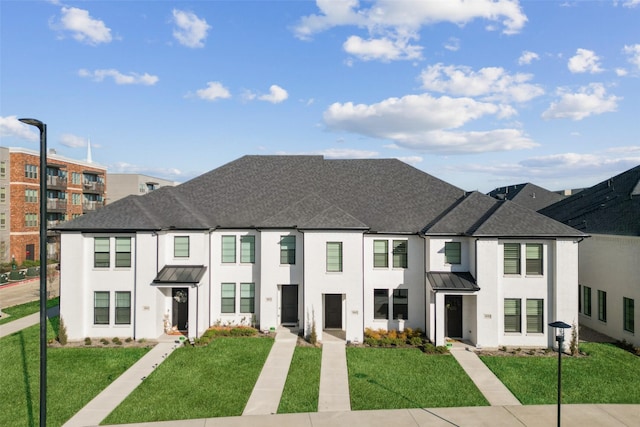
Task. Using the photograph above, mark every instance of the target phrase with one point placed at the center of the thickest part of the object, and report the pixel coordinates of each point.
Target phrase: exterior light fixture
(559, 327)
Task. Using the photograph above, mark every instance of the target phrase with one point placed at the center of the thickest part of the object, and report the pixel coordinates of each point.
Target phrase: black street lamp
(43, 266)
(559, 327)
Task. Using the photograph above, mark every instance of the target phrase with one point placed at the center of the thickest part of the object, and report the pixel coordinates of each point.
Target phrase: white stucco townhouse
(298, 240)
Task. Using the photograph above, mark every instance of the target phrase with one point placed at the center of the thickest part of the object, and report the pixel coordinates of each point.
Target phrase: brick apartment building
(74, 187)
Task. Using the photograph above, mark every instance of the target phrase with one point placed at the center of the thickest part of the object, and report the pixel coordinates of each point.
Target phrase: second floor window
(334, 256)
(31, 171)
(452, 252)
(512, 258)
(31, 220)
(228, 249)
(248, 249)
(400, 254)
(123, 251)
(101, 252)
(534, 259)
(181, 246)
(380, 253)
(288, 250)
(31, 196)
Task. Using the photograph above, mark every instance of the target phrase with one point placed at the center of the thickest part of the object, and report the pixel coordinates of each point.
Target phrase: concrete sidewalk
(495, 416)
(334, 377)
(105, 402)
(25, 322)
(496, 393)
(266, 394)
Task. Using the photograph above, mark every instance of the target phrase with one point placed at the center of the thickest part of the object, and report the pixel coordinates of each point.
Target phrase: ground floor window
(602, 306)
(247, 297)
(228, 304)
(628, 314)
(101, 308)
(512, 315)
(401, 304)
(380, 304)
(535, 316)
(586, 300)
(123, 308)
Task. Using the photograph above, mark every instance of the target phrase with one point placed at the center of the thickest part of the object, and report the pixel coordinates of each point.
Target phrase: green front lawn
(74, 376)
(394, 378)
(303, 382)
(197, 382)
(608, 375)
(22, 310)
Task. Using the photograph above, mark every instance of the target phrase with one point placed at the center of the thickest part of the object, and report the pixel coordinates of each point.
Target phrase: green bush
(33, 271)
(87, 341)
(16, 275)
(30, 263)
(415, 341)
(4, 278)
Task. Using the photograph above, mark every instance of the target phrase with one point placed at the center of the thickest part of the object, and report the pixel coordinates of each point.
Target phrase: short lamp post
(559, 327)
(43, 266)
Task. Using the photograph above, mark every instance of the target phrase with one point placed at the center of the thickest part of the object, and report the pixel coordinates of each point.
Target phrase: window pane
(586, 300)
(101, 252)
(123, 244)
(534, 315)
(512, 315)
(628, 314)
(247, 298)
(452, 252)
(247, 248)
(512, 258)
(334, 256)
(181, 246)
(123, 252)
(228, 303)
(228, 248)
(602, 306)
(101, 244)
(534, 259)
(400, 254)
(101, 308)
(123, 308)
(288, 250)
(401, 304)
(380, 304)
(380, 253)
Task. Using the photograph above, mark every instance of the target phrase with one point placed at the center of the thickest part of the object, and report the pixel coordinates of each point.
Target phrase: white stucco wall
(611, 264)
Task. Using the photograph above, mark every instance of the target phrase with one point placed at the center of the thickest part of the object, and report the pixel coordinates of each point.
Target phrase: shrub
(116, 340)
(62, 332)
(415, 341)
(16, 275)
(33, 271)
(128, 339)
(104, 341)
(243, 331)
(313, 336)
(87, 341)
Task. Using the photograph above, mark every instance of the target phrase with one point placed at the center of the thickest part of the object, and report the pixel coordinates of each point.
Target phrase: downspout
(362, 293)
(304, 287)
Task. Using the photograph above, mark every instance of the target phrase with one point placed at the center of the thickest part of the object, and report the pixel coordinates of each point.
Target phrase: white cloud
(491, 83)
(584, 61)
(631, 3)
(119, 78)
(73, 141)
(410, 160)
(383, 49)
(527, 57)
(10, 126)
(171, 174)
(191, 31)
(621, 72)
(346, 153)
(589, 100)
(275, 96)
(213, 91)
(424, 123)
(83, 27)
(634, 54)
(453, 44)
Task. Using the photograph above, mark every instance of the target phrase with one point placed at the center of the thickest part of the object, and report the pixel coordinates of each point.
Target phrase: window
(602, 306)
(228, 298)
(229, 249)
(401, 304)
(579, 298)
(101, 252)
(586, 300)
(101, 308)
(535, 316)
(3, 194)
(534, 259)
(31, 220)
(512, 315)
(76, 178)
(288, 250)
(248, 249)
(181, 246)
(380, 304)
(123, 308)
(31, 196)
(123, 251)
(75, 199)
(380, 254)
(30, 171)
(628, 315)
(247, 298)
(399, 254)
(3, 169)
(3, 221)
(334, 256)
(452, 252)
(512, 258)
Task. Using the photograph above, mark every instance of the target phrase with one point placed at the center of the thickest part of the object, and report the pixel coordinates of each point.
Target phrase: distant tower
(89, 151)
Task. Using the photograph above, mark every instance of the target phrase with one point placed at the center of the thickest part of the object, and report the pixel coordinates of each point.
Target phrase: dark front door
(289, 310)
(453, 304)
(180, 298)
(30, 253)
(333, 311)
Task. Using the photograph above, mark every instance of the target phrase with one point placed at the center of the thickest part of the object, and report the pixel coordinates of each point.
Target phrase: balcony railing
(54, 181)
(93, 187)
(91, 206)
(56, 205)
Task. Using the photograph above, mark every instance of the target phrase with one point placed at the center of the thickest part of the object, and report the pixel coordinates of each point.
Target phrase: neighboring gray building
(122, 185)
(528, 195)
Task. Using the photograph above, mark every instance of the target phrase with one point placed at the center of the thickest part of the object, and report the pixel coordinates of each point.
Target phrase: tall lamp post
(559, 327)
(43, 266)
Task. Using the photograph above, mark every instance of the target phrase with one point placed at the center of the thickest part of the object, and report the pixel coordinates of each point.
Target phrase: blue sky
(479, 93)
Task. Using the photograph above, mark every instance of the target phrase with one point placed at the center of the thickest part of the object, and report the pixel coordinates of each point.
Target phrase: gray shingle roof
(379, 195)
(528, 195)
(609, 207)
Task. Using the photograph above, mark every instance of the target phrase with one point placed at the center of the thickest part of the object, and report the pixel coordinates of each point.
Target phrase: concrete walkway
(24, 322)
(266, 394)
(104, 403)
(489, 385)
(334, 377)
